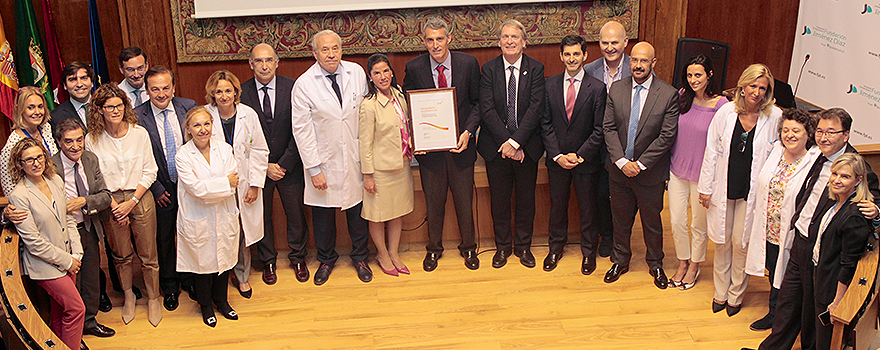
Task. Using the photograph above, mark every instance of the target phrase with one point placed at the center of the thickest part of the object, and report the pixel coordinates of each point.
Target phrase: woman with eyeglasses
(126, 159)
(740, 138)
(52, 249)
(30, 116)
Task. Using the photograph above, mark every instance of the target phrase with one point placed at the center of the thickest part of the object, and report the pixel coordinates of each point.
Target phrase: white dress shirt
(126, 162)
(803, 222)
(129, 91)
(160, 125)
(643, 95)
(70, 182)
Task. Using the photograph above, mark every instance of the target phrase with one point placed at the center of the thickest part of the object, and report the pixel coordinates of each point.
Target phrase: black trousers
(627, 198)
(770, 263)
(439, 173)
(604, 220)
(290, 190)
(166, 246)
(88, 278)
(561, 181)
(324, 222)
(507, 178)
(795, 309)
(211, 288)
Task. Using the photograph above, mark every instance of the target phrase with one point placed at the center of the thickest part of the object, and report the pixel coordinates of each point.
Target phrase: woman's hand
(74, 267)
(704, 200)
(233, 179)
(123, 209)
(251, 194)
(369, 184)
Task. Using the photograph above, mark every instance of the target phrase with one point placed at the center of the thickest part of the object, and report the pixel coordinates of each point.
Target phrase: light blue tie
(170, 148)
(633, 123)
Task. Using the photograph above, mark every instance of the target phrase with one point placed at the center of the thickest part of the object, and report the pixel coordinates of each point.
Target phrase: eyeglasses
(30, 161)
(119, 107)
(743, 138)
(140, 69)
(829, 133)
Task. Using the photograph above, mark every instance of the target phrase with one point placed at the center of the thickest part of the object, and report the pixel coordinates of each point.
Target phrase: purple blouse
(690, 144)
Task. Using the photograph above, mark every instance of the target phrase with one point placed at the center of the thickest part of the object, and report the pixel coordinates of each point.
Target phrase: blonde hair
(515, 24)
(749, 75)
(215, 79)
(16, 171)
(190, 115)
(860, 170)
(96, 105)
(20, 104)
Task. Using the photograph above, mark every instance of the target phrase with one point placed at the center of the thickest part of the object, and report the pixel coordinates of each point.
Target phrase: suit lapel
(581, 97)
(41, 198)
(181, 113)
(556, 89)
(282, 95)
(521, 85)
(426, 75)
(650, 101)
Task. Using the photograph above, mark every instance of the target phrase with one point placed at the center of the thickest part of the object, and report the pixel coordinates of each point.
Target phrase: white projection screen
(239, 8)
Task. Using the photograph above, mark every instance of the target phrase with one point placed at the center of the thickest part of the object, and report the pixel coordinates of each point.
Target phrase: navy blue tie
(336, 89)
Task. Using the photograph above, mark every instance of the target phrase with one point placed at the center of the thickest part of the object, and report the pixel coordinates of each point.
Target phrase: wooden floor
(454, 308)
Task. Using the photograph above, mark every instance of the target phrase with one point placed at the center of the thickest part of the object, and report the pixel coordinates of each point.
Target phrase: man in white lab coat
(325, 100)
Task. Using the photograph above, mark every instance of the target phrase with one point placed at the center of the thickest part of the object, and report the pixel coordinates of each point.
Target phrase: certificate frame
(434, 116)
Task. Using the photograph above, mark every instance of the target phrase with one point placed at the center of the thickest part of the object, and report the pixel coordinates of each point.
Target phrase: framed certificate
(434, 119)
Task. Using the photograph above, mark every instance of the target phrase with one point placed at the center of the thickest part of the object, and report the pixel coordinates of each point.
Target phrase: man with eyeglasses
(269, 94)
(133, 64)
(79, 79)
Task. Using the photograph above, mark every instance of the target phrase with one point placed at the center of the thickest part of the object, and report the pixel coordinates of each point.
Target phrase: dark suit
(96, 209)
(581, 135)
(655, 134)
(596, 69)
(442, 170)
(507, 176)
(61, 112)
(166, 217)
(283, 151)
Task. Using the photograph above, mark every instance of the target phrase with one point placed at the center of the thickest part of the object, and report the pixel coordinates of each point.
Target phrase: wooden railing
(862, 291)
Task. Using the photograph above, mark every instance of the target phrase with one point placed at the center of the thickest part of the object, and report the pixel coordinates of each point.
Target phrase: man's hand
(507, 151)
(319, 182)
(15, 216)
(369, 184)
(519, 155)
(74, 267)
(251, 195)
(565, 162)
(123, 209)
(75, 204)
(868, 209)
(704, 200)
(233, 179)
(631, 169)
(164, 199)
(275, 172)
(463, 140)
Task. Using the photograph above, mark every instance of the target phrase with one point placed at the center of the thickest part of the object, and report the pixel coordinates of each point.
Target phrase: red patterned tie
(441, 78)
(569, 98)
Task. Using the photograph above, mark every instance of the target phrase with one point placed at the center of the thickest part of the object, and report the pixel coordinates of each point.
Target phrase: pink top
(690, 144)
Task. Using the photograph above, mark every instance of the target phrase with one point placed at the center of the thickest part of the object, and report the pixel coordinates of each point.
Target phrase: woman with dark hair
(126, 159)
(775, 190)
(52, 251)
(698, 103)
(385, 136)
(30, 119)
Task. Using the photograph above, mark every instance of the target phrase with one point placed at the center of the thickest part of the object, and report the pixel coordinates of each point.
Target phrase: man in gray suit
(88, 201)
(641, 121)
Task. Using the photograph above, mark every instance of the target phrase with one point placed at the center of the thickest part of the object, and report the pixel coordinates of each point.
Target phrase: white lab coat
(252, 155)
(757, 253)
(713, 173)
(207, 218)
(327, 134)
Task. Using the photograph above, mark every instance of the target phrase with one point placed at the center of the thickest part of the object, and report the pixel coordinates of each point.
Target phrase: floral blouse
(778, 182)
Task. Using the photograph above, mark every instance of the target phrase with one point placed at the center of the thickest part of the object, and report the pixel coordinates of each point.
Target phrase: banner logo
(867, 9)
(870, 95)
(806, 30)
(852, 89)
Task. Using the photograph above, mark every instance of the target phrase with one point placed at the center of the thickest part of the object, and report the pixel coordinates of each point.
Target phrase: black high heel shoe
(717, 307)
(227, 311)
(208, 316)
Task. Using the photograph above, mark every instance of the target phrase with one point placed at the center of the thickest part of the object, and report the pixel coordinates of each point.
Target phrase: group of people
(190, 189)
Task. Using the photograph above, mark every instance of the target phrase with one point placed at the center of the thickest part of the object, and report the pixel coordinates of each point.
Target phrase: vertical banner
(8, 78)
(30, 52)
(54, 62)
(99, 59)
(836, 59)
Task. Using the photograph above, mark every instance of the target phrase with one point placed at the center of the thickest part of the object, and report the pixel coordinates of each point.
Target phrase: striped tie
(511, 100)
(170, 148)
(633, 123)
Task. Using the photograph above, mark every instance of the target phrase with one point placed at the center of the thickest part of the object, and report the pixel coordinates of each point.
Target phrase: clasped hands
(507, 151)
(568, 161)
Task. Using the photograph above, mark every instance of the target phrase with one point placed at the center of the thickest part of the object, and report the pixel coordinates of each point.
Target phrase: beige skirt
(393, 197)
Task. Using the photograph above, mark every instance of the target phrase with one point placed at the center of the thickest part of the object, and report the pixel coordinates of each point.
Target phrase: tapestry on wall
(363, 32)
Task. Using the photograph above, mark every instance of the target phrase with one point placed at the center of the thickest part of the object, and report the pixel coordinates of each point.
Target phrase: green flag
(29, 51)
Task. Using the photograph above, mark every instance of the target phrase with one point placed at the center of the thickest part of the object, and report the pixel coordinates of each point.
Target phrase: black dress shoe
(430, 262)
(208, 316)
(526, 258)
(614, 272)
(104, 304)
(733, 310)
(660, 279)
(322, 274)
(269, 276)
(227, 311)
(137, 292)
(471, 261)
(717, 307)
(191, 292)
(171, 301)
(588, 265)
(301, 270)
(551, 260)
(763, 324)
(82, 345)
(605, 248)
(500, 258)
(99, 330)
(363, 271)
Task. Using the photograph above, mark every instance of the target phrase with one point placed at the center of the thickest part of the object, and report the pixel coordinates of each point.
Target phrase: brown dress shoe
(269, 276)
(301, 270)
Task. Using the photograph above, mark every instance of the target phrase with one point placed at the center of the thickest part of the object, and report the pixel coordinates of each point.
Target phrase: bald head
(642, 61)
(264, 62)
(612, 41)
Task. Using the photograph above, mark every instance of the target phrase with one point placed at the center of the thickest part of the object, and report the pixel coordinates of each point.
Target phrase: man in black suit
(795, 309)
(163, 117)
(511, 98)
(440, 68)
(571, 128)
(641, 121)
(78, 79)
(88, 201)
(269, 95)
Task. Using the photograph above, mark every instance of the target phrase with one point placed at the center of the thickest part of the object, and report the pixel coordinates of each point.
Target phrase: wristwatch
(135, 200)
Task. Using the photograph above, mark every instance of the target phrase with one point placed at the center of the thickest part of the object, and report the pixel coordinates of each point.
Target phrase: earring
(742, 93)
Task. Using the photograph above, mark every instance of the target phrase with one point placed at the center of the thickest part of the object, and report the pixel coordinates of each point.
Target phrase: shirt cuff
(641, 166)
(557, 157)
(513, 143)
(621, 162)
(314, 171)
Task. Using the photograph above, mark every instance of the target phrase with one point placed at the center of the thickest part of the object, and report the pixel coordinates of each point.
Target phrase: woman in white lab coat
(207, 221)
(775, 191)
(740, 138)
(239, 126)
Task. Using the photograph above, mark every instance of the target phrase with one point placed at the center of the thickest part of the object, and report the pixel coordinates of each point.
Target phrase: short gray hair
(314, 41)
(436, 23)
(516, 24)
